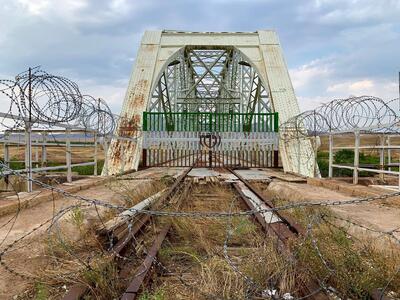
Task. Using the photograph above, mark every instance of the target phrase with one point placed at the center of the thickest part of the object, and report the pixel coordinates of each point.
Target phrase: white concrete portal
(261, 49)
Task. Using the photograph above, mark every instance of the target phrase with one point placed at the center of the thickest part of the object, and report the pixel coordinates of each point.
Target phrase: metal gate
(231, 145)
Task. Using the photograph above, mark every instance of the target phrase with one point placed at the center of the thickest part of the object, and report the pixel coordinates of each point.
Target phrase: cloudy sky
(333, 48)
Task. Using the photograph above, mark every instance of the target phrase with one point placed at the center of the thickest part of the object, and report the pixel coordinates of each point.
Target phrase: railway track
(164, 261)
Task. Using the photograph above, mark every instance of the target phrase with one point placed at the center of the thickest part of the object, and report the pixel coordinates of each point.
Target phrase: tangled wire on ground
(312, 246)
(42, 98)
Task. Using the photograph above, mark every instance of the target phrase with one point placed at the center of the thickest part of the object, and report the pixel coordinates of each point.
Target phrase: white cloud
(34, 7)
(66, 9)
(365, 86)
(309, 102)
(382, 88)
(331, 12)
(335, 48)
(113, 92)
(310, 72)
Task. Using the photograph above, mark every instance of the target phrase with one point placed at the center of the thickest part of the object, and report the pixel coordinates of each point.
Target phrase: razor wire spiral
(365, 113)
(39, 97)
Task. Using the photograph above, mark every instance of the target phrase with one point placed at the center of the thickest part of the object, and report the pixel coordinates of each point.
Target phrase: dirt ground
(56, 153)
(365, 140)
(12, 227)
(376, 215)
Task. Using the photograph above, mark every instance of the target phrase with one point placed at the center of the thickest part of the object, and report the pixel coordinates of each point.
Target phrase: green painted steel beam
(213, 122)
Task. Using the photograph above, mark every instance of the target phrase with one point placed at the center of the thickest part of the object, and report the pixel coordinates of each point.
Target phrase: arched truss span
(213, 92)
(217, 80)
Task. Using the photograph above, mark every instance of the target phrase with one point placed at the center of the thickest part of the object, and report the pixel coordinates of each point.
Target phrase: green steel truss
(211, 122)
(216, 82)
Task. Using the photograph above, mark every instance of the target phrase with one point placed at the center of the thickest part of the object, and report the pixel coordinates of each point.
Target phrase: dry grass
(57, 153)
(73, 254)
(133, 193)
(194, 253)
(352, 260)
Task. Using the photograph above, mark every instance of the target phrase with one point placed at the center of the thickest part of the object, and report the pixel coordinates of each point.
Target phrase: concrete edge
(45, 196)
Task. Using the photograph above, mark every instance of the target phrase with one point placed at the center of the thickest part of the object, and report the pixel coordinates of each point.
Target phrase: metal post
(330, 175)
(6, 157)
(6, 150)
(105, 146)
(389, 153)
(144, 158)
(356, 156)
(28, 136)
(95, 153)
(315, 169)
(44, 149)
(382, 157)
(68, 155)
(36, 153)
(298, 156)
(28, 156)
(276, 159)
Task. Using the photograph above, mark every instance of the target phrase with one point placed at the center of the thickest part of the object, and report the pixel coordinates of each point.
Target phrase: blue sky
(333, 48)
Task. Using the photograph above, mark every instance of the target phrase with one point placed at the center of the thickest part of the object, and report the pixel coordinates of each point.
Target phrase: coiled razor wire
(365, 113)
(39, 97)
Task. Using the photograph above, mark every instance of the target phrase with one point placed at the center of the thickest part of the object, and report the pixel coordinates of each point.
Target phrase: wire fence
(353, 239)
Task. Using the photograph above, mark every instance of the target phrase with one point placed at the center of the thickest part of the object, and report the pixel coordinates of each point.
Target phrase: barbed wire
(365, 113)
(47, 100)
(208, 214)
(92, 202)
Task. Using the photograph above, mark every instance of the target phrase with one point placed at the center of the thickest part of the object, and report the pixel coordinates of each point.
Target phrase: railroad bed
(194, 256)
(212, 234)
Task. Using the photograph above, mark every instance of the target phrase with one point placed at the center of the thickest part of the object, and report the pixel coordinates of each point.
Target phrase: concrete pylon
(261, 48)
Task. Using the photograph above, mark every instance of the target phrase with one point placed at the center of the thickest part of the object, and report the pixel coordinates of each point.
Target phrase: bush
(344, 157)
(88, 170)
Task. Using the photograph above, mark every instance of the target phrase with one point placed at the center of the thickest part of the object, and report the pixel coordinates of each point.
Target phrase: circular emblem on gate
(210, 140)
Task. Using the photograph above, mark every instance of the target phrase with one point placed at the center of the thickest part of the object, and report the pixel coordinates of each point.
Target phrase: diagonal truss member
(165, 102)
(254, 97)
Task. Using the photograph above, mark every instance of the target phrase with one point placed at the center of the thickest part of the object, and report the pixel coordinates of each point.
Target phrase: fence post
(330, 175)
(95, 153)
(389, 153)
(382, 157)
(6, 150)
(68, 155)
(356, 156)
(6, 157)
(298, 156)
(36, 152)
(105, 146)
(44, 149)
(28, 155)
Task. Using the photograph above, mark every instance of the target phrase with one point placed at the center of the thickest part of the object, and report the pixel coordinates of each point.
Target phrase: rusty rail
(286, 218)
(77, 291)
(289, 229)
(285, 230)
(142, 272)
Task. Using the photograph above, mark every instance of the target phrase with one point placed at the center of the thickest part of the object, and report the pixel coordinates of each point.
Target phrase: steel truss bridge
(212, 98)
